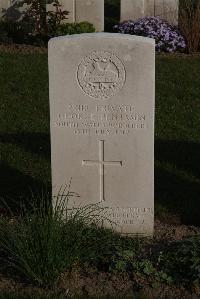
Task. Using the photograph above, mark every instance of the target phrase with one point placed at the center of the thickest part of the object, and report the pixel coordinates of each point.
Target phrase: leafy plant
(36, 24)
(167, 37)
(3, 33)
(182, 260)
(74, 28)
(16, 32)
(45, 22)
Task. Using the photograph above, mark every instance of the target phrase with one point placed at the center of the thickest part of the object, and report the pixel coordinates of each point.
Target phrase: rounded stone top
(103, 35)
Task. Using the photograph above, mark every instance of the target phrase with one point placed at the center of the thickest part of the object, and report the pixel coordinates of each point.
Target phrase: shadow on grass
(184, 155)
(16, 188)
(180, 194)
(36, 143)
(177, 188)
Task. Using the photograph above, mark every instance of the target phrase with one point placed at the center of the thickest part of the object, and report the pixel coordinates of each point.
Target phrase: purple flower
(167, 37)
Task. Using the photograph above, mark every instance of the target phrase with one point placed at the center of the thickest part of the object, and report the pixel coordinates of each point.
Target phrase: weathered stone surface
(149, 8)
(168, 10)
(135, 9)
(91, 11)
(84, 10)
(132, 9)
(4, 4)
(102, 124)
(79, 10)
(68, 5)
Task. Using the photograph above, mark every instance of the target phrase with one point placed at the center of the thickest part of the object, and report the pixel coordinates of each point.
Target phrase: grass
(25, 140)
(43, 249)
(38, 245)
(24, 129)
(177, 138)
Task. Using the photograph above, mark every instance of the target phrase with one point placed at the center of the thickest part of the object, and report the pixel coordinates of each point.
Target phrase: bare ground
(91, 282)
(26, 49)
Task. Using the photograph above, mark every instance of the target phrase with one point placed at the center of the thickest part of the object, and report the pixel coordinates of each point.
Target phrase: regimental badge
(101, 74)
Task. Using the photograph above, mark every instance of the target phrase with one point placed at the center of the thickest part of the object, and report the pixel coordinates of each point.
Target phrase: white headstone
(68, 5)
(132, 9)
(135, 9)
(91, 11)
(168, 10)
(4, 4)
(83, 10)
(102, 124)
(11, 9)
(149, 8)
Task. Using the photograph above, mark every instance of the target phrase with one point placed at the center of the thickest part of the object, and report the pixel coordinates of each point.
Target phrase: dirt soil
(27, 49)
(23, 49)
(91, 282)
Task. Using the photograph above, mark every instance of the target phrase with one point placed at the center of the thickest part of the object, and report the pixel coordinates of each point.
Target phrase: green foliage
(182, 260)
(136, 263)
(35, 24)
(3, 33)
(16, 32)
(74, 28)
(25, 141)
(23, 32)
(41, 243)
(44, 22)
(25, 156)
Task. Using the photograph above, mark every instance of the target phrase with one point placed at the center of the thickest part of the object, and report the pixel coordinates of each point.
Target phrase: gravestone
(68, 5)
(135, 9)
(149, 8)
(102, 124)
(4, 4)
(91, 11)
(13, 9)
(168, 10)
(132, 9)
(83, 10)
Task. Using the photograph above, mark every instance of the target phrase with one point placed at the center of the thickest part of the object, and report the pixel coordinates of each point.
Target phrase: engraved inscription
(130, 215)
(101, 163)
(101, 119)
(101, 74)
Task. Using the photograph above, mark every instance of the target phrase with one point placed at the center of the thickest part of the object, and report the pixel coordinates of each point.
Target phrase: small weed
(181, 261)
(41, 243)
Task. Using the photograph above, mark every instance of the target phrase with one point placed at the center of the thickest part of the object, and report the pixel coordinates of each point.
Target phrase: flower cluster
(167, 37)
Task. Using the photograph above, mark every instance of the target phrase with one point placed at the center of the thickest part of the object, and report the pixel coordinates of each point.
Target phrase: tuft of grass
(42, 241)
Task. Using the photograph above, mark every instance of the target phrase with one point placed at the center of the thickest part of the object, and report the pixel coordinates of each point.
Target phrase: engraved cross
(101, 163)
